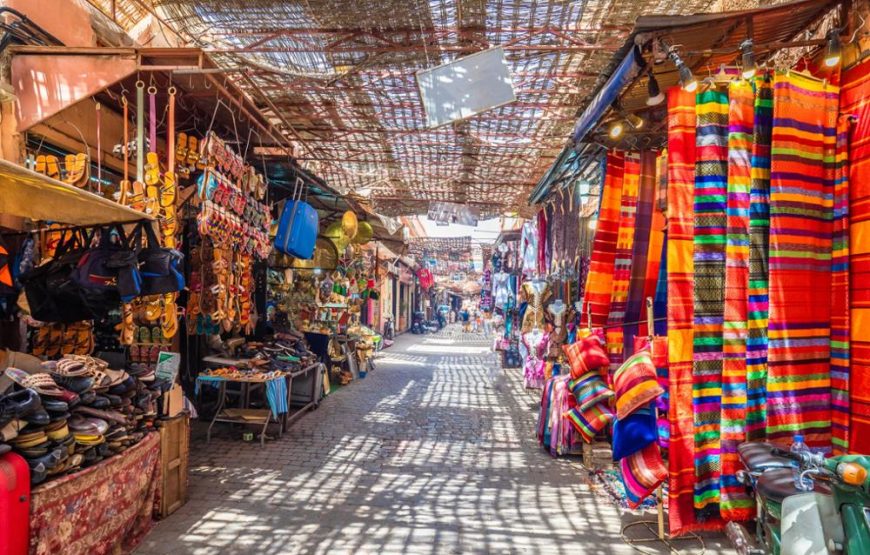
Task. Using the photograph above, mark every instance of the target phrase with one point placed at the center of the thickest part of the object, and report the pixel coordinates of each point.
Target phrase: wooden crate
(174, 446)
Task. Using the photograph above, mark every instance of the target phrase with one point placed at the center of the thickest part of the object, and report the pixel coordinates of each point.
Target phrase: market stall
(726, 159)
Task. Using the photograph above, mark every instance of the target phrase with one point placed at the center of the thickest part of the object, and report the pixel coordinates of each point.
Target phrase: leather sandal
(52, 167)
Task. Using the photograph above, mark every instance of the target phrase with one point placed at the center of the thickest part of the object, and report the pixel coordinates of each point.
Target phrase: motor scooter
(807, 504)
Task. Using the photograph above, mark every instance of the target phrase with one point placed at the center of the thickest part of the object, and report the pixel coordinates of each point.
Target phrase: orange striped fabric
(855, 100)
(600, 276)
(680, 267)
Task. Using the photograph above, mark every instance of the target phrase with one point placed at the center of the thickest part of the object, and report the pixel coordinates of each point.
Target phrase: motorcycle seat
(777, 484)
(757, 457)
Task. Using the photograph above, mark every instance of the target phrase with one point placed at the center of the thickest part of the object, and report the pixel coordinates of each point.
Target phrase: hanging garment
(533, 369)
(501, 289)
(680, 268)
(840, 293)
(634, 309)
(537, 292)
(600, 275)
(529, 242)
(759, 230)
(736, 504)
(855, 100)
(543, 243)
(622, 260)
(711, 172)
(801, 198)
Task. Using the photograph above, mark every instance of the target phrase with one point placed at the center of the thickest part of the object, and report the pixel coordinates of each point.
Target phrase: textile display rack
(656, 528)
(730, 206)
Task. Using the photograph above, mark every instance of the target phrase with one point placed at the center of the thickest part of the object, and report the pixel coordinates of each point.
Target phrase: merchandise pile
(75, 412)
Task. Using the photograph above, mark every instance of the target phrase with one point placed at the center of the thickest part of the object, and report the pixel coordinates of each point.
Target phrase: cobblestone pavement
(426, 455)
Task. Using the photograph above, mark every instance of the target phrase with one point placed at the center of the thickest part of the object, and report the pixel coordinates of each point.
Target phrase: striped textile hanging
(840, 294)
(801, 214)
(600, 275)
(711, 172)
(680, 268)
(759, 228)
(622, 261)
(736, 504)
(656, 241)
(640, 258)
(855, 100)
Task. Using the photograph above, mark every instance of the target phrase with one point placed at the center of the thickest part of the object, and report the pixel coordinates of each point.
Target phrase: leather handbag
(161, 269)
(52, 295)
(298, 226)
(109, 272)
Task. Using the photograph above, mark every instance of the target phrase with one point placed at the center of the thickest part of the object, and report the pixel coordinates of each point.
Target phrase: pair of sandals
(217, 152)
(76, 168)
(52, 340)
(253, 183)
(187, 155)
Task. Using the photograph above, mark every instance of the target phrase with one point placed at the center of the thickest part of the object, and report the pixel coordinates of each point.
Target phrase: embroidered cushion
(636, 384)
(585, 355)
(590, 421)
(589, 389)
(633, 433)
(642, 473)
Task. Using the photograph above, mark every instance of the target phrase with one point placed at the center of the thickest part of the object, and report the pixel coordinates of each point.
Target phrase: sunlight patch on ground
(452, 350)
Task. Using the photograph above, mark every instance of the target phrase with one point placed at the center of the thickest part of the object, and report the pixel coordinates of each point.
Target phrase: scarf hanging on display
(840, 293)
(801, 200)
(759, 228)
(660, 307)
(543, 243)
(600, 274)
(736, 504)
(640, 258)
(656, 253)
(622, 260)
(711, 173)
(855, 100)
(680, 269)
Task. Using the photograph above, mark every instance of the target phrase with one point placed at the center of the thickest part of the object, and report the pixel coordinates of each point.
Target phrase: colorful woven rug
(622, 261)
(840, 294)
(634, 311)
(711, 172)
(801, 213)
(680, 268)
(855, 100)
(600, 275)
(759, 227)
(736, 504)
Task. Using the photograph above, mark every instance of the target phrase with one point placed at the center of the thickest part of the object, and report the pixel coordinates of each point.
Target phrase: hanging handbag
(161, 269)
(298, 226)
(52, 295)
(109, 272)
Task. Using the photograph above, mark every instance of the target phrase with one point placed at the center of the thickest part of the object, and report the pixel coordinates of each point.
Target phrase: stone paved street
(423, 456)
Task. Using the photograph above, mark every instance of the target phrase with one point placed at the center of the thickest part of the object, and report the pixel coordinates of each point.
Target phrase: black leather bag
(161, 269)
(52, 294)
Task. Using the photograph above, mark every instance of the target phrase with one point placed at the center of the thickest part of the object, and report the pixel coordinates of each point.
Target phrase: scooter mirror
(852, 473)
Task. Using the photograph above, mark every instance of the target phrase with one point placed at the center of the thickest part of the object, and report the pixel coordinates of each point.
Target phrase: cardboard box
(173, 401)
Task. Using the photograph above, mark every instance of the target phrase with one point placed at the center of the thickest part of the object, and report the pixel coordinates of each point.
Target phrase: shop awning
(28, 194)
(625, 73)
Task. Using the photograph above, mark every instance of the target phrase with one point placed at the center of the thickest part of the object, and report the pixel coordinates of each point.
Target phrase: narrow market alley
(425, 455)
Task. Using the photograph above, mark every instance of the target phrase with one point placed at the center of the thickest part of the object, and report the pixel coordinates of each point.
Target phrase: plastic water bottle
(798, 445)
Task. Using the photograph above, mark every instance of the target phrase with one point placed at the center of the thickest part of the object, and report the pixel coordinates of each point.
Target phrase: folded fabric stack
(75, 412)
